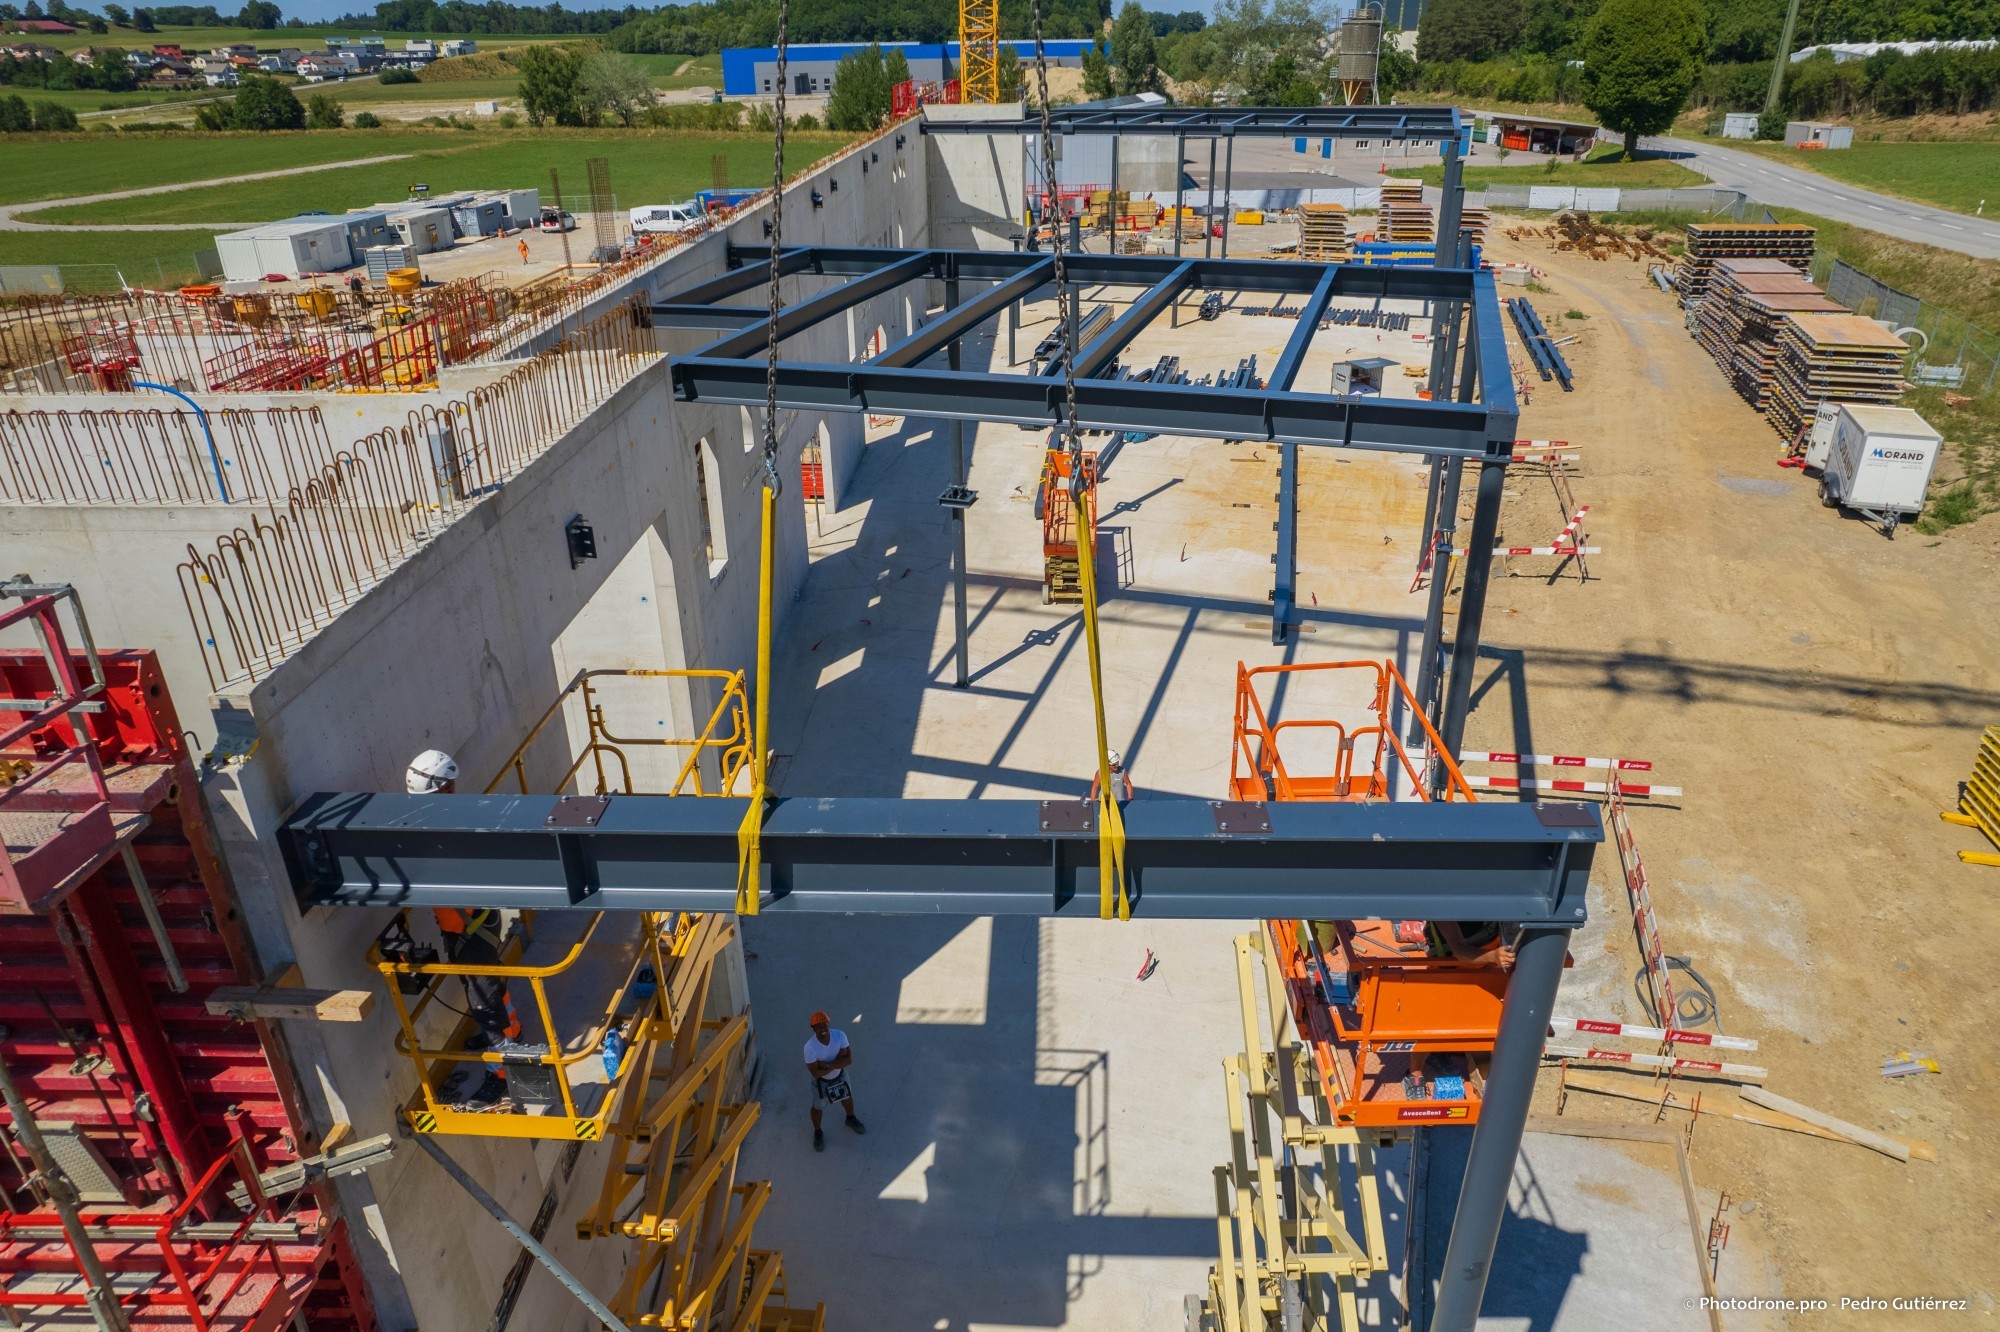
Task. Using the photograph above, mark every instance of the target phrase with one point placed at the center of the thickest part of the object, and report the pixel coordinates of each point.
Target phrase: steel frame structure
(1184, 858)
(1203, 122)
(1471, 414)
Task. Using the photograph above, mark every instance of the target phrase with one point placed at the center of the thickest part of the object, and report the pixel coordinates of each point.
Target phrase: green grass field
(646, 167)
(81, 100)
(1606, 167)
(55, 166)
(1956, 174)
(371, 95)
(94, 261)
(264, 39)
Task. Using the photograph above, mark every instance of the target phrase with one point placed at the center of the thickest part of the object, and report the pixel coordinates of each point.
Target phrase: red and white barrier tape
(1548, 550)
(1748, 1071)
(1594, 1027)
(1587, 788)
(1566, 537)
(1520, 444)
(1556, 760)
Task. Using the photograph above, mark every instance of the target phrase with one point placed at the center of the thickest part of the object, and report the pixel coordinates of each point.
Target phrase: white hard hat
(430, 772)
(1117, 759)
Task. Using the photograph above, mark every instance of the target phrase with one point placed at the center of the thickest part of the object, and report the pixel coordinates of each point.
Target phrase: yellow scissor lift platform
(658, 1098)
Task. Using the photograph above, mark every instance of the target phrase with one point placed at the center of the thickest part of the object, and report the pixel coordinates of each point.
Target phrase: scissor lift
(622, 1040)
(1062, 577)
(1397, 1022)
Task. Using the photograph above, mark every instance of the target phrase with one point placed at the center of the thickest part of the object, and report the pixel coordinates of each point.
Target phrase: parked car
(557, 219)
(666, 219)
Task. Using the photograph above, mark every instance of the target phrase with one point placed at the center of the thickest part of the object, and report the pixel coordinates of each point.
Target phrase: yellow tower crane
(979, 51)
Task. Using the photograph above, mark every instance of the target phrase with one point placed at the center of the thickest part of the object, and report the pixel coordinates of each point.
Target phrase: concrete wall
(977, 182)
(468, 642)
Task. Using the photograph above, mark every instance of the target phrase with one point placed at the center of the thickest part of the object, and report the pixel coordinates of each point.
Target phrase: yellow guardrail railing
(1979, 799)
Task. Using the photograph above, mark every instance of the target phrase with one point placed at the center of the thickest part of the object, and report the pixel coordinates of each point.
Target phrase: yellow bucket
(405, 279)
(316, 302)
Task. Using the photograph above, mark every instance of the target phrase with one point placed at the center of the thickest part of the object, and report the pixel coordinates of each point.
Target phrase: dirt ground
(1819, 692)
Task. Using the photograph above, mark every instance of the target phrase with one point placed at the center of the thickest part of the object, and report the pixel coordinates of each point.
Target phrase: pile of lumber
(1103, 206)
(1749, 303)
(1405, 218)
(1323, 233)
(1711, 242)
(1833, 358)
(1578, 232)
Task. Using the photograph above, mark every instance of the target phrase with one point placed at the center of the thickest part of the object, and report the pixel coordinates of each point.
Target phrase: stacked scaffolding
(1323, 233)
(1711, 242)
(1833, 358)
(1405, 218)
(1474, 221)
(1748, 305)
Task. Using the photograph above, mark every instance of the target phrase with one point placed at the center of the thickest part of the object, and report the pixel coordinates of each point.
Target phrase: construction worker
(827, 1057)
(471, 938)
(1121, 781)
(522, 245)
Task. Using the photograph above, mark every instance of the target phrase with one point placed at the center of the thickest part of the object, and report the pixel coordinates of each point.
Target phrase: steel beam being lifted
(1186, 858)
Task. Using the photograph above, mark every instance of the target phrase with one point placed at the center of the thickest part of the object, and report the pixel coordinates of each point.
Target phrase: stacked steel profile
(1405, 219)
(1833, 358)
(1323, 233)
(1711, 242)
(117, 926)
(1748, 305)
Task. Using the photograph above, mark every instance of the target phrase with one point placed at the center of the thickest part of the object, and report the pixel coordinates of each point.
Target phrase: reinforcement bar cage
(896, 382)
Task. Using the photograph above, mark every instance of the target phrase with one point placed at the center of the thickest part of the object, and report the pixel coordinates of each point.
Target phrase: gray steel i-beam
(1186, 859)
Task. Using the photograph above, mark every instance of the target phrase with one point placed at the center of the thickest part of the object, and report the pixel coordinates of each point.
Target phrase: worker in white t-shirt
(827, 1058)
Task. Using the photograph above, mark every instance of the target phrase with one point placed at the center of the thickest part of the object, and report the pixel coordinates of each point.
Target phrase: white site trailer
(1879, 463)
(289, 249)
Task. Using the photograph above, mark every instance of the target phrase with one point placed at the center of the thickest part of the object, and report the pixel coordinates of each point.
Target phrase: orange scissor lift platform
(1384, 1017)
(1062, 578)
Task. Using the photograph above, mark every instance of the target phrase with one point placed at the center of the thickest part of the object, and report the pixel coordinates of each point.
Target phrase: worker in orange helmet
(522, 245)
(827, 1057)
(472, 938)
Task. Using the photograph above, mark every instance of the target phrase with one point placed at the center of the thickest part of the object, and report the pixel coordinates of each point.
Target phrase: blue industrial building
(748, 71)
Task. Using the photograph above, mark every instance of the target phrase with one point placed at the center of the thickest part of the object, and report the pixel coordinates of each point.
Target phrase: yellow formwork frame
(1979, 801)
(1288, 1249)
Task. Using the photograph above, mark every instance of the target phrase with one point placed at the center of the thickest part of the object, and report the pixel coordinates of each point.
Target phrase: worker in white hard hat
(1121, 780)
(471, 938)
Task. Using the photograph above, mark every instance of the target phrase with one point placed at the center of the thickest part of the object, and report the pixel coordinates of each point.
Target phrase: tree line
(713, 25)
(1504, 50)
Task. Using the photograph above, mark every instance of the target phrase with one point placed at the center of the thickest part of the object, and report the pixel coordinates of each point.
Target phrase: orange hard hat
(818, 1019)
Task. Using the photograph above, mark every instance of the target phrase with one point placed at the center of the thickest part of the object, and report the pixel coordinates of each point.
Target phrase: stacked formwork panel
(1711, 242)
(1323, 233)
(1405, 218)
(1747, 306)
(1833, 358)
(1474, 222)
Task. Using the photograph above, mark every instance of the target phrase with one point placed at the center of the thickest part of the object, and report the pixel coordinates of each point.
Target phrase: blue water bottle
(614, 1052)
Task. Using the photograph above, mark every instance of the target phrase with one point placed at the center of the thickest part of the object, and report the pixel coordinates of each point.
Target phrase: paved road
(10, 221)
(1783, 186)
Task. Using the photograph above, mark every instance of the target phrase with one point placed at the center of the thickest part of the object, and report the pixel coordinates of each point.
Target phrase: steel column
(1496, 1139)
(1228, 180)
(1430, 660)
(1180, 194)
(954, 353)
(1208, 214)
(1451, 207)
(1284, 584)
(1472, 602)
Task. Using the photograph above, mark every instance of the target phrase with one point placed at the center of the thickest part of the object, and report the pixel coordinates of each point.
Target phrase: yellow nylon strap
(1112, 897)
(750, 834)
